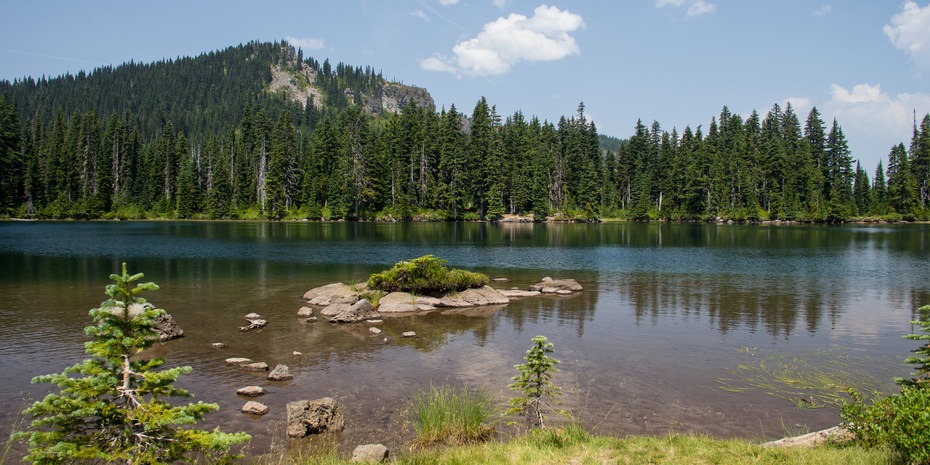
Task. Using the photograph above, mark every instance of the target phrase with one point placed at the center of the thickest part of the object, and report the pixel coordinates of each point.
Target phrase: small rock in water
(305, 312)
(280, 373)
(409, 334)
(238, 361)
(500, 280)
(255, 408)
(374, 322)
(257, 366)
(253, 316)
(296, 353)
(251, 391)
(218, 345)
(374, 331)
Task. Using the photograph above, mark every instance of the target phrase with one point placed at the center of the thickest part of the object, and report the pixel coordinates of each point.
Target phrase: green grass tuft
(447, 415)
(425, 275)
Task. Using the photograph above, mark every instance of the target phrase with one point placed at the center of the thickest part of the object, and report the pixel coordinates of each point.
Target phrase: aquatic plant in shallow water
(811, 380)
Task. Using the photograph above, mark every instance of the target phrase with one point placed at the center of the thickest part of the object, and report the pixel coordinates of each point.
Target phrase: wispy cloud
(448, 2)
(45, 55)
(306, 43)
(420, 14)
(691, 7)
(909, 31)
(874, 114)
(503, 43)
(823, 11)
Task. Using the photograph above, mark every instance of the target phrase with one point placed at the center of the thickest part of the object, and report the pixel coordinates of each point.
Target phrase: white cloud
(909, 31)
(509, 40)
(800, 105)
(694, 7)
(448, 2)
(823, 11)
(420, 14)
(499, 3)
(306, 43)
(874, 120)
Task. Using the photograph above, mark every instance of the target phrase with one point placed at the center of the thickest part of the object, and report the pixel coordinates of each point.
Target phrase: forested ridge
(205, 137)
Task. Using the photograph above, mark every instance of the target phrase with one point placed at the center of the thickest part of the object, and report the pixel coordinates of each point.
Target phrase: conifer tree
(113, 407)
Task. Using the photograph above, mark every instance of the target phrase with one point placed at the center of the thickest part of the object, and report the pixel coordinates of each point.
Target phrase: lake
(658, 341)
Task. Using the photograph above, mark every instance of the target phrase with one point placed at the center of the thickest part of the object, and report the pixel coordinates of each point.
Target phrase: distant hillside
(209, 93)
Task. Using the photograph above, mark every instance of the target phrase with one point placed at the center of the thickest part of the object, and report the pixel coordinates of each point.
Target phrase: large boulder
(331, 294)
(306, 417)
(475, 297)
(359, 311)
(557, 286)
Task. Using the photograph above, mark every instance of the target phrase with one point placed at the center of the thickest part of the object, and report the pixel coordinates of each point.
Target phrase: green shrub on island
(426, 275)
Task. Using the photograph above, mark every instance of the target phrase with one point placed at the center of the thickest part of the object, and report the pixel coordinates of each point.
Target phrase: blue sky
(678, 62)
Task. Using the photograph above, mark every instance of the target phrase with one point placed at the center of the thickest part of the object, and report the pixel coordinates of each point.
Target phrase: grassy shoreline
(574, 446)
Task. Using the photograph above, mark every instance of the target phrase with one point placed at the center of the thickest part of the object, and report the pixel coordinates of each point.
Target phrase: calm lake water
(668, 311)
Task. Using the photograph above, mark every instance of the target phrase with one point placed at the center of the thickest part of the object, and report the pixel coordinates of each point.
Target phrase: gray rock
(251, 391)
(255, 408)
(374, 331)
(280, 373)
(238, 361)
(359, 311)
(370, 453)
(480, 296)
(404, 302)
(305, 312)
(518, 293)
(305, 417)
(218, 345)
(253, 316)
(409, 334)
(332, 310)
(167, 328)
(257, 366)
(330, 294)
(553, 286)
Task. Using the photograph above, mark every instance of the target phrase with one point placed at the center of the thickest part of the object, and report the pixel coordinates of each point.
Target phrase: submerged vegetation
(810, 380)
(426, 275)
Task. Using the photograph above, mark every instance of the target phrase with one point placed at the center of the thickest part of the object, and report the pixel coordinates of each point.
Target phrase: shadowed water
(667, 311)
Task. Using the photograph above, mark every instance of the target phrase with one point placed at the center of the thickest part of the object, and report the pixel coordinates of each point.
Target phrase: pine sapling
(534, 382)
(112, 407)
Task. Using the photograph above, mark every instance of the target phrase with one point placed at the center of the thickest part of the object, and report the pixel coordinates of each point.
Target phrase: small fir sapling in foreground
(113, 406)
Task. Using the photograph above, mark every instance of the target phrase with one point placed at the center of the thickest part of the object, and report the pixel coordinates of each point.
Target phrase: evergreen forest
(205, 137)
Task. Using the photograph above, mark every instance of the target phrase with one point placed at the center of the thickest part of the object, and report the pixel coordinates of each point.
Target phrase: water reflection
(665, 311)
